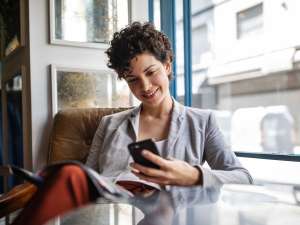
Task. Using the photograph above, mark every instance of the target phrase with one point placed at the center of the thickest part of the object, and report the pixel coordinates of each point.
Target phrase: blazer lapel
(176, 125)
(134, 119)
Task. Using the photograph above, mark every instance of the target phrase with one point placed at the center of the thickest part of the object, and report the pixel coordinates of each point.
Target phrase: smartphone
(136, 148)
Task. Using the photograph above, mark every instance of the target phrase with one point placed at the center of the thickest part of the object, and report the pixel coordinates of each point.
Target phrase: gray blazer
(193, 137)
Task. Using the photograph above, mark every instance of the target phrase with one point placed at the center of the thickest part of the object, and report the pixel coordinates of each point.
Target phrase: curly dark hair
(135, 39)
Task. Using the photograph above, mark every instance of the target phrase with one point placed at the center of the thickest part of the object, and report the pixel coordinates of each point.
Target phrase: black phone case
(136, 148)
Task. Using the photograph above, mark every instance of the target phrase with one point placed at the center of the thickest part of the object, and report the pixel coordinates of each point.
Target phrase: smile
(150, 94)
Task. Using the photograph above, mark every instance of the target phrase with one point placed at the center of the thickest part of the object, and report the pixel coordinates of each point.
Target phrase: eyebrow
(145, 70)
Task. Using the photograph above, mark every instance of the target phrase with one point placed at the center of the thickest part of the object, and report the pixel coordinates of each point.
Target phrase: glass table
(227, 205)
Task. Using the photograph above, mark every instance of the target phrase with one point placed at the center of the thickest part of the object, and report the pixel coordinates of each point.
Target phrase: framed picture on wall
(86, 23)
(87, 88)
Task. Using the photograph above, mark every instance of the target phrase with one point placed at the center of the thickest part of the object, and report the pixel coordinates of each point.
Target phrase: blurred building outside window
(246, 67)
(250, 21)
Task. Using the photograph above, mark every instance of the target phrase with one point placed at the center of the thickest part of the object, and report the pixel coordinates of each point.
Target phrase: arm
(94, 154)
(225, 166)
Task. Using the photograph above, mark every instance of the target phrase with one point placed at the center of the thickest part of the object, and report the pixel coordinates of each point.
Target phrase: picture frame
(88, 24)
(87, 88)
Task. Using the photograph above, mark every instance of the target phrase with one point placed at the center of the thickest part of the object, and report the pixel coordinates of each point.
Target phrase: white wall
(276, 44)
(139, 11)
(42, 54)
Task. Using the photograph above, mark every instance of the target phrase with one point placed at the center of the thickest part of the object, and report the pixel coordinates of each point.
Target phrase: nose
(145, 84)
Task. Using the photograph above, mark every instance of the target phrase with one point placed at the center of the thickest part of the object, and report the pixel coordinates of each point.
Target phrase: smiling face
(148, 79)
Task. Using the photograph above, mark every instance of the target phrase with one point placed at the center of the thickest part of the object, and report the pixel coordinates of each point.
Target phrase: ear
(168, 67)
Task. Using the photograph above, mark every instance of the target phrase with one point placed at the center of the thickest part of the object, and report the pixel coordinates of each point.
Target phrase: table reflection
(229, 204)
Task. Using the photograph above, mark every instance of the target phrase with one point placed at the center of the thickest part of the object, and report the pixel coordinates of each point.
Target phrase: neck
(161, 110)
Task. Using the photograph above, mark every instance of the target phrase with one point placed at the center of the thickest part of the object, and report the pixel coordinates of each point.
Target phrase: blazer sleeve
(224, 165)
(95, 149)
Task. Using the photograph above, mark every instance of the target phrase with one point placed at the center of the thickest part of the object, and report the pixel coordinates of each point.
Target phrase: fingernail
(135, 170)
(144, 152)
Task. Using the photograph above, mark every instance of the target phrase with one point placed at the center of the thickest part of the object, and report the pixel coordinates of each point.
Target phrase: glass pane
(273, 170)
(251, 83)
(91, 89)
(89, 21)
(200, 43)
(250, 21)
(202, 26)
(156, 13)
(180, 51)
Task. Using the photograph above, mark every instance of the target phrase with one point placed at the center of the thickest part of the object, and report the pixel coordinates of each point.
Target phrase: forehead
(142, 62)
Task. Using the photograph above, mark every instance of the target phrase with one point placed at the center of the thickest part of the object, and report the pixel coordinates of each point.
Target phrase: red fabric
(65, 188)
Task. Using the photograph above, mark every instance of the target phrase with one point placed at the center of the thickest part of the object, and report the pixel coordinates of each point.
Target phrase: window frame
(199, 28)
(240, 36)
(168, 7)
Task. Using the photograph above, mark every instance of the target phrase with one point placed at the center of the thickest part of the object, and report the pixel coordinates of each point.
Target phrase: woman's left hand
(171, 172)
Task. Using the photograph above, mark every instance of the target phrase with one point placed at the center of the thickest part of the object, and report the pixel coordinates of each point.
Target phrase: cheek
(162, 80)
(134, 89)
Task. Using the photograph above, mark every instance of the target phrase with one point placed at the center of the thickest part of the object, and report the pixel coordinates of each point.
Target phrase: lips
(150, 94)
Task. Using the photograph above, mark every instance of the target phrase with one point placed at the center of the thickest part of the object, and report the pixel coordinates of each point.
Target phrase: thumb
(170, 158)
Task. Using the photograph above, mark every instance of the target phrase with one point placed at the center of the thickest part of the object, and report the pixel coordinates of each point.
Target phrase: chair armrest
(5, 171)
(16, 198)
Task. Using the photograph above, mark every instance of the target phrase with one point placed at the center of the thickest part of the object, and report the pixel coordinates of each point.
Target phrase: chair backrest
(73, 131)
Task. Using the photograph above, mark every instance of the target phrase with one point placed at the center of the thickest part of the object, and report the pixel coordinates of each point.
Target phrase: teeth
(150, 94)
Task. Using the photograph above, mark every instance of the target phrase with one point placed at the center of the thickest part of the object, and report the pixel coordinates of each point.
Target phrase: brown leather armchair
(71, 137)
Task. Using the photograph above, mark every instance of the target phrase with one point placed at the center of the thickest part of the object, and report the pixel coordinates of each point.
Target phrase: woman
(186, 137)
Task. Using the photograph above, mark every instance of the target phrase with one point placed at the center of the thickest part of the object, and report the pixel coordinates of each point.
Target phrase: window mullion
(151, 11)
(168, 26)
(187, 52)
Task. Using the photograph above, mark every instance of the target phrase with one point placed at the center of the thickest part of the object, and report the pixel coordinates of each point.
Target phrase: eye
(151, 72)
(131, 80)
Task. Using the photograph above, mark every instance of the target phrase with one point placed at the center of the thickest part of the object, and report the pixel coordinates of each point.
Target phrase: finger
(156, 180)
(161, 162)
(134, 170)
(147, 170)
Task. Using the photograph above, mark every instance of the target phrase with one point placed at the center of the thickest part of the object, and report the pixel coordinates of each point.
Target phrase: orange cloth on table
(65, 188)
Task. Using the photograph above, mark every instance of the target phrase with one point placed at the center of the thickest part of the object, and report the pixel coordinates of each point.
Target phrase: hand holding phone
(136, 148)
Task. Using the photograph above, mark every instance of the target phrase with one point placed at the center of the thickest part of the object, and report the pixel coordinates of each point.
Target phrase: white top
(161, 146)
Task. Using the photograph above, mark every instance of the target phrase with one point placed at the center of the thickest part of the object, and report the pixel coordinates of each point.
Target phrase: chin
(155, 101)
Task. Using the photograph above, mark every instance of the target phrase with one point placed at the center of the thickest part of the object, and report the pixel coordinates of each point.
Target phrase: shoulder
(117, 118)
(193, 117)
(198, 114)
(204, 119)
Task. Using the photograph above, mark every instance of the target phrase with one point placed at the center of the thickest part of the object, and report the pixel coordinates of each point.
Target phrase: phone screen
(136, 149)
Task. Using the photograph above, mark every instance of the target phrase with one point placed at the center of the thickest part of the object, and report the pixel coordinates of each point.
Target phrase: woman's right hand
(171, 172)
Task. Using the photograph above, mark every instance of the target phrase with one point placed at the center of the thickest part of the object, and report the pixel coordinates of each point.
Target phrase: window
(254, 97)
(250, 21)
(179, 52)
(156, 5)
(200, 43)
